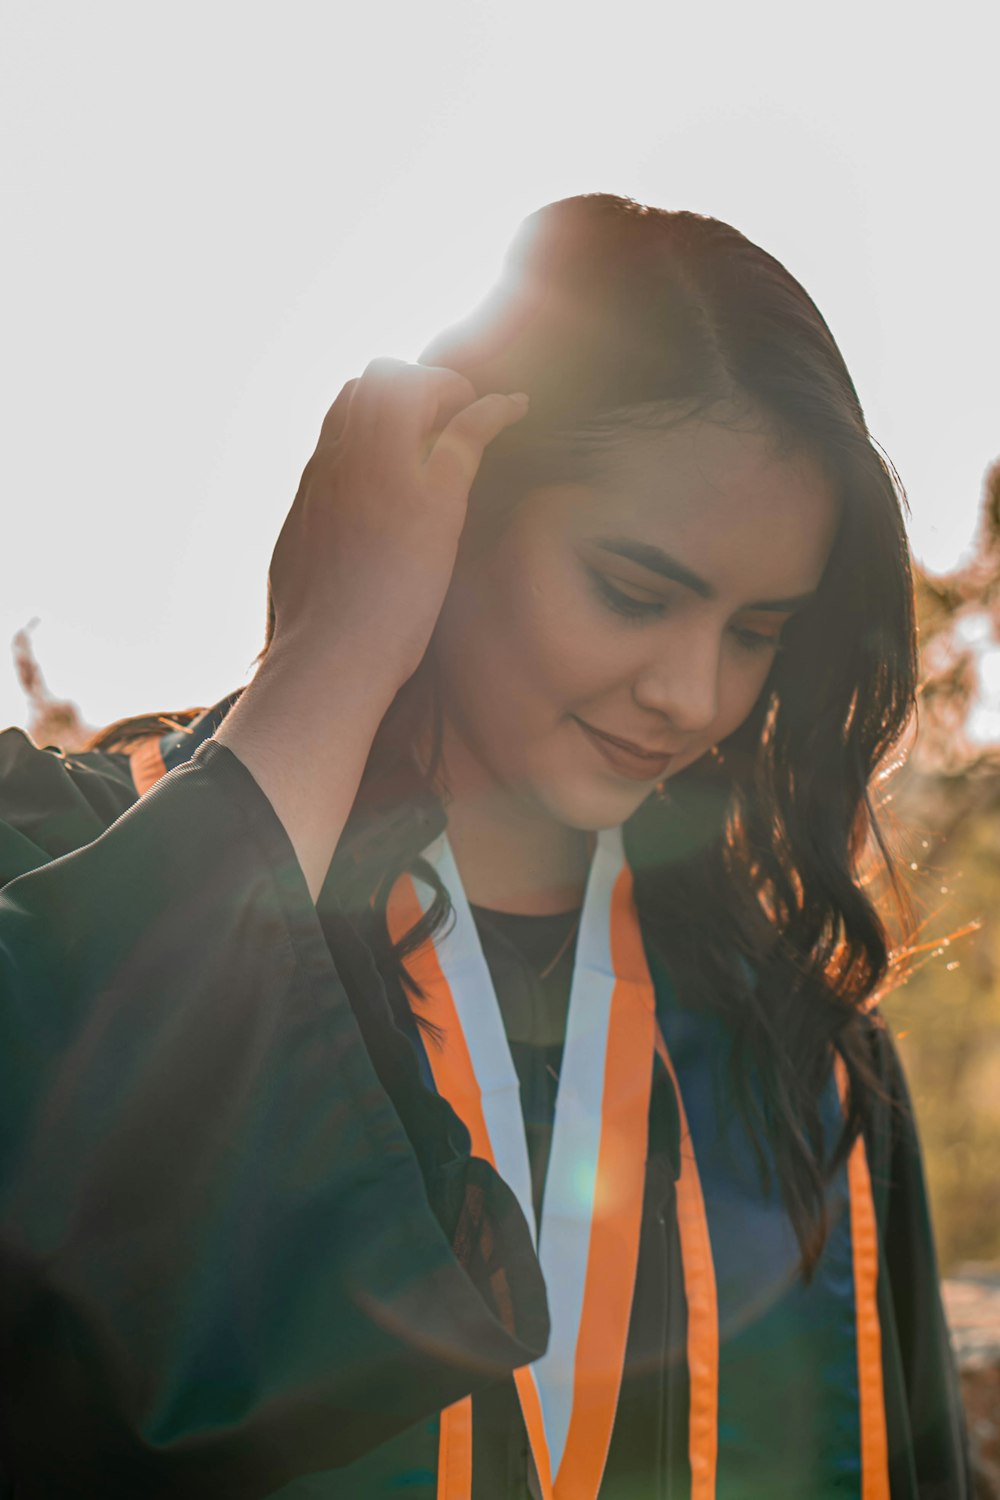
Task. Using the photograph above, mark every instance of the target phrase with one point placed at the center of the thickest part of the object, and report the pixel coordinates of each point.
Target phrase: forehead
(752, 518)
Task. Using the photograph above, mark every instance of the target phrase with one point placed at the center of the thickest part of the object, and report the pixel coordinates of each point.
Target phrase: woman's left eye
(755, 640)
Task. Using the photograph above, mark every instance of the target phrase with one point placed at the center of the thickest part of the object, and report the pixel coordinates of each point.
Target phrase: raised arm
(358, 578)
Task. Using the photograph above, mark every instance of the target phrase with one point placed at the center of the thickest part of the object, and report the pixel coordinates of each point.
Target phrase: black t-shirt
(530, 960)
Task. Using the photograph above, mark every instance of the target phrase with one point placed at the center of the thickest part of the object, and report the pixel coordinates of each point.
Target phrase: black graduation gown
(239, 1240)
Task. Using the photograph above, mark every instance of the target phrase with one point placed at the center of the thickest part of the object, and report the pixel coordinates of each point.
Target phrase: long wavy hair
(752, 868)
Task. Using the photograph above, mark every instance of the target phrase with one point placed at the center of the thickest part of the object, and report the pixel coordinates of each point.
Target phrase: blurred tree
(51, 721)
(947, 820)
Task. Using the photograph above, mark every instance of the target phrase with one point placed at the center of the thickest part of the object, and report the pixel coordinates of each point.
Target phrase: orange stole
(702, 1308)
(146, 764)
(864, 1249)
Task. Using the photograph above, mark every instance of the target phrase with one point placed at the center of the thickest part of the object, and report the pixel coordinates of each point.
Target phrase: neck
(512, 855)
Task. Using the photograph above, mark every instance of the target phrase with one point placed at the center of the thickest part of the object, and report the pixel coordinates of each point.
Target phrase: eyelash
(636, 611)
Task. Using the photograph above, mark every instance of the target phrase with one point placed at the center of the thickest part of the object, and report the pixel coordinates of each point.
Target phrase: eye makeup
(638, 611)
(624, 604)
(655, 560)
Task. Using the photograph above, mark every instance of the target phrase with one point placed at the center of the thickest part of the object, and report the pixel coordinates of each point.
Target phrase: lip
(625, 757)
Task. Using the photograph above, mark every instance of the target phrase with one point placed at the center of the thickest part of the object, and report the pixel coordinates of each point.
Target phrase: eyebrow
(658, 561)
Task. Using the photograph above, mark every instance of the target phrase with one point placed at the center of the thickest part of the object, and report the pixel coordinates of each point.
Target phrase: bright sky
(216, 213)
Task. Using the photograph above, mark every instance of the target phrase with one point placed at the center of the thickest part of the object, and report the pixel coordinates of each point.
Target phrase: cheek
(521, 645)
(567, 653)
(741, 685)
(541, 620)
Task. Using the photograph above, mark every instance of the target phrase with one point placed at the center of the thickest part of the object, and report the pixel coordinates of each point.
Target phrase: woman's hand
(367, 550)
(358, 577)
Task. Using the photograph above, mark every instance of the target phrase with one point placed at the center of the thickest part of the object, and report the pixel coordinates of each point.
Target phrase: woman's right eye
(624, 604)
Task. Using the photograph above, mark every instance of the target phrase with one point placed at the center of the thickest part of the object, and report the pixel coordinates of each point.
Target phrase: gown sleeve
(228, 1254)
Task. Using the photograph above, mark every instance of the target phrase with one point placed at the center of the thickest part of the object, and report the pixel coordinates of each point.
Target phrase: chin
(587, 804)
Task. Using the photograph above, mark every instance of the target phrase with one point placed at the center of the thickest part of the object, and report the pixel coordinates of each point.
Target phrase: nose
(681, 683)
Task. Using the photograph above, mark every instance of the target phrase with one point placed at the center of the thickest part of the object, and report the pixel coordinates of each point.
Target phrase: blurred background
(218, 213)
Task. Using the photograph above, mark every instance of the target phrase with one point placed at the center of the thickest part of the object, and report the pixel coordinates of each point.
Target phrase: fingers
(454, 460)
(400, 412)
(336, 417)
(396, 404)
(450, 393)
(377, 379)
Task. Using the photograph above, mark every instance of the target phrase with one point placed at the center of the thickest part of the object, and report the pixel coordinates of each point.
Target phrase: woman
(482, 1004)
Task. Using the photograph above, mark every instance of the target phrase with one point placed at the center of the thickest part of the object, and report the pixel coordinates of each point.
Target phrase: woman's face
(618, 630)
